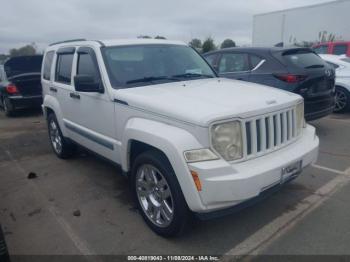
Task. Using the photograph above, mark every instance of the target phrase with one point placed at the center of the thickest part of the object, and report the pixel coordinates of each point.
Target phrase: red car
(334, 48)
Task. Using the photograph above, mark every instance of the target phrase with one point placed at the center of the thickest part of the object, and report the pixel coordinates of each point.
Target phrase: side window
(64, 68)
(254, 61)
(86, 66)
(233, 62)
(48, 65)
(322, 49)
(211, 59)
(340, 49)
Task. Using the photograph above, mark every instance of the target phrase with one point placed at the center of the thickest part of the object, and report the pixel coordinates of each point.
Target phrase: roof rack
(68, 41)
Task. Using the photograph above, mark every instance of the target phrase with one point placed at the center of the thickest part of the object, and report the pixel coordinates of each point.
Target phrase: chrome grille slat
(253, 136)
(269, 132)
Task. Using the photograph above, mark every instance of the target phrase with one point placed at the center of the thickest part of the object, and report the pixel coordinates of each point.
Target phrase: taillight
(12, 89)
(289, 78)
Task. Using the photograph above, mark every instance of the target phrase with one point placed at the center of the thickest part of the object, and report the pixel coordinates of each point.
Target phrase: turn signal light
(12, 89)
(196, 180)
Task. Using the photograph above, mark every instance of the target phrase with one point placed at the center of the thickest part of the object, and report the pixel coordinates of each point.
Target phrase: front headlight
(226, 139)
(300, 121)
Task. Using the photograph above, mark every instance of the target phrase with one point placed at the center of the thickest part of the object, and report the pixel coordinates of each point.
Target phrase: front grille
(269, 132)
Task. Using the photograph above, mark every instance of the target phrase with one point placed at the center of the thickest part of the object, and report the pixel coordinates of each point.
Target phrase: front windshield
(140, 65)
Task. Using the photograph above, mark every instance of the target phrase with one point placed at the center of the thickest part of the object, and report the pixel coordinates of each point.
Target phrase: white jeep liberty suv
(189, 141)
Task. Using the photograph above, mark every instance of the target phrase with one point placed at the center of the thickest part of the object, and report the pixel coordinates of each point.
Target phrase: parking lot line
(79, 243)
(257, 242)
(329, 169)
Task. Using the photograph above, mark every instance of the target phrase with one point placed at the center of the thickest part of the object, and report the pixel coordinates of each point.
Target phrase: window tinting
(323, 49)
(340, 49)
(48, 65)
(233, 62)
(64, 68)
(254, 61)
(210, 59)
(303, 59)
(86, 66)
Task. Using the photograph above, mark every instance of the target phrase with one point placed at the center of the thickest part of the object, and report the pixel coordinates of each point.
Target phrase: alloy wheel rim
(154, 195)
(55, 137)
(340, 100)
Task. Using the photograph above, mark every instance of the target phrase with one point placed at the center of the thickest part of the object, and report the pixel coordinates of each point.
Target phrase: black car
(20, 85)
(297, 70)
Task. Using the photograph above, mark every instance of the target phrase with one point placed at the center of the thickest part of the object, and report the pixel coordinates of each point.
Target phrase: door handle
(52, 89)
(74, 95)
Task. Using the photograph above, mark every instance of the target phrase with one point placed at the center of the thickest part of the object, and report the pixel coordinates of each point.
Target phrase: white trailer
(326, 21)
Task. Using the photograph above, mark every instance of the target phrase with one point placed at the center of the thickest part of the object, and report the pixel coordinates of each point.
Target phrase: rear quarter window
(48, 65)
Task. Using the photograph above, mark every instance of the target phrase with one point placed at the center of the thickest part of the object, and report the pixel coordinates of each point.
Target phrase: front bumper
(20, 101)
(225, 185)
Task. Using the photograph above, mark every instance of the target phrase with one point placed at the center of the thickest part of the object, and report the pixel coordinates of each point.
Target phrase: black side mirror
(87, 83)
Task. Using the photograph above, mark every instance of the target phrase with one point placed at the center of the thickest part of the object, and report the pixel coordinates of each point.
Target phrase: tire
(8, 107)
(166, 192)
(342, 100)
(62, 147)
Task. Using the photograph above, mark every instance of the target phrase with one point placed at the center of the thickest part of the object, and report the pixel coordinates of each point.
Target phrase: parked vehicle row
(297, 70)
(189, 141)
(341, 65)
(333, 48)
(20, 85)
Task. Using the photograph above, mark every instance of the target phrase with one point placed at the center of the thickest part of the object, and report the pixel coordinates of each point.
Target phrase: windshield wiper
(189, 75)
(314, 66)
(151, 79)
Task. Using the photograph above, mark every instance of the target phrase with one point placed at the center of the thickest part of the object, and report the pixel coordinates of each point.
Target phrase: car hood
(203, 101)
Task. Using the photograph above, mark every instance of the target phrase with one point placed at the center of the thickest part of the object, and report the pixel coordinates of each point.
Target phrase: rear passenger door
(234, 65)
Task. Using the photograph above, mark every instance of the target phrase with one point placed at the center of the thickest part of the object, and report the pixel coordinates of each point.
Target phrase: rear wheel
(8, 107)
(342, 100)
(62, 147)
(158, 194)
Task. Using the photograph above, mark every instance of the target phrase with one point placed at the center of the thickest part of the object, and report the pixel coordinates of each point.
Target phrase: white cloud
(43, 21)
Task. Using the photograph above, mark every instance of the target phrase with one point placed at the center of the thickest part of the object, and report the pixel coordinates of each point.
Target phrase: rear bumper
(315, 109)
(26, 101)
(226, 185)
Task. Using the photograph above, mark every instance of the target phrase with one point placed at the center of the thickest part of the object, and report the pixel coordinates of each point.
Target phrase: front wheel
(342, 100)
(158, 194)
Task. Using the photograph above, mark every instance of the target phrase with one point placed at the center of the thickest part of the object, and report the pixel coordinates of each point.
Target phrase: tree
(227, 43)
(196, 43)
(159, 37)
(24, 50)
(208, 45)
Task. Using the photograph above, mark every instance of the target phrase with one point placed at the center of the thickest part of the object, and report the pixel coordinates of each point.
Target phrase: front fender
(172, 141)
